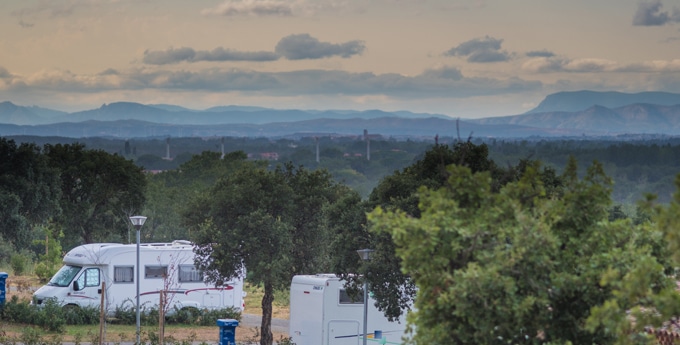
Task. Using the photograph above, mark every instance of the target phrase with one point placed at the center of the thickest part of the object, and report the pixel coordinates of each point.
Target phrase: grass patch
(280, 306)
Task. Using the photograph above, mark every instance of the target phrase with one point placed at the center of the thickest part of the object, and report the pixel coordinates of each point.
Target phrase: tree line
(490, 253)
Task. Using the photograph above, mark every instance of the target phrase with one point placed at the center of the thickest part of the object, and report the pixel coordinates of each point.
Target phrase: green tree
(99, 192)
(392, 288)
(29, 192)
(512, 266)
(646, 296)
(51, 258)
(272, 222)
(168, 193)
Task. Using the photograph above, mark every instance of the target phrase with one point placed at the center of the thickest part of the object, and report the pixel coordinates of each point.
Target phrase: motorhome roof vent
(180, 242)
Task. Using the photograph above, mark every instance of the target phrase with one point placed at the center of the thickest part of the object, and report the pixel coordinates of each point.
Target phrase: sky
(462, 58)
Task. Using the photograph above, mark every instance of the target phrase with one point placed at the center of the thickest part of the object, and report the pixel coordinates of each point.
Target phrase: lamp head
(365, 254)
(137, 221)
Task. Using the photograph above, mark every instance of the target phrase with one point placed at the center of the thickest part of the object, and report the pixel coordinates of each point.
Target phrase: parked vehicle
(322, 313)
(167, 267)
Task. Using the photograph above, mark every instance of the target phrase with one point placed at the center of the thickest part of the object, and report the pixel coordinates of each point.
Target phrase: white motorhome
(321, 313)
(167, 267)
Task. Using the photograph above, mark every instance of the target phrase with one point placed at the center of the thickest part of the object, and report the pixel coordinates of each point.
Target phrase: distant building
(272, 156)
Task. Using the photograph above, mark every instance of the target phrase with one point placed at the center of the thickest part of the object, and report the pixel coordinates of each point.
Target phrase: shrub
(44, 271)
(210, 317)
(49, 316)
(19, 263)
(18, 311)
(81, 315)
(31, 336)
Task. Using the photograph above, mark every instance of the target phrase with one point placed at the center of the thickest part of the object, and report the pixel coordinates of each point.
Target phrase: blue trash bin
(227, 331)
(3, 278)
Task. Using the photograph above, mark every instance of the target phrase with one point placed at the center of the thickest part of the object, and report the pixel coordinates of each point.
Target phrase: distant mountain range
(560, 114)
(574, 101)
(176, 115)
(634, 118)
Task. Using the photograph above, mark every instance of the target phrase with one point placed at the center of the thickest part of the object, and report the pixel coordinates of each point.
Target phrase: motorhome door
(87, 287)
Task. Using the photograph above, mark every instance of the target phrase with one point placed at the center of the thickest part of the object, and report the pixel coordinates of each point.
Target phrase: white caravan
(321, 313)
(86, 267)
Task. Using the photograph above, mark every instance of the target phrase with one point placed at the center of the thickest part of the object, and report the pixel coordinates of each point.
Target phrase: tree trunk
(267, 338)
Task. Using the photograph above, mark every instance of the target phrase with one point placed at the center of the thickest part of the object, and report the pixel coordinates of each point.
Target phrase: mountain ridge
(633, 118)
(595, 117)
(572, 101)
(171, 114)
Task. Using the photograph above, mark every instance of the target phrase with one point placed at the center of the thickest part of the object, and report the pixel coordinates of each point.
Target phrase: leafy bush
(31, 336)
(19, 263)
(52, 317)
(49, 316)
(210, 317)
(187, 316)
(44, 271)
(81, 315)
(124, 313)
(49, 262)
(18, 311)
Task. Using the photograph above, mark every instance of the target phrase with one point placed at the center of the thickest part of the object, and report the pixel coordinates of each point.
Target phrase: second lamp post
(365, 255)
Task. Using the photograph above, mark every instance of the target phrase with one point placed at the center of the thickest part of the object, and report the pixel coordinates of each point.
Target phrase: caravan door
(86, 288)
(344, 332)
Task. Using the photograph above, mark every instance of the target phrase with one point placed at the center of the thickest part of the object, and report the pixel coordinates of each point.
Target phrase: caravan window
(344, 298)
(155, 271)
(189, 273)
(123, 274)
(64, 276)
(89, 278)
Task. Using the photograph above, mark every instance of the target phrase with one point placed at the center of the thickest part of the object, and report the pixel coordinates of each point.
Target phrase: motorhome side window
(189, 273)
(155, 271)
(344, 298)
(90, 277)
(123, 274)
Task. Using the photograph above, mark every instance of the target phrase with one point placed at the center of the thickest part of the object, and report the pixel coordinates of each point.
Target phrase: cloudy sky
(463, 58)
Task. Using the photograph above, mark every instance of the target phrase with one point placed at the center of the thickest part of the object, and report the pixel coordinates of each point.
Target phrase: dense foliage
(513, 266)
(498, 247)
(272, 222)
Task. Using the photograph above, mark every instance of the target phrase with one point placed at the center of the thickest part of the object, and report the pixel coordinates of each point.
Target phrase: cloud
(4, 73)
(184, 54)
(168, 56)
(558, 64)
(593, 65)
(445, 82)
(61, 9)
(481, 50)
(108, 71)
(304, 46)
(222, 54)
(25, 25)
(657, 66)
(451, 73)
(251, 8)
(293, 47)
(540, 53)
(52, 9)
(544, 65)
(650, 13)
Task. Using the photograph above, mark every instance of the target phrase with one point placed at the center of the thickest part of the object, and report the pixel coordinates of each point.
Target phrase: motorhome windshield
(64, 276)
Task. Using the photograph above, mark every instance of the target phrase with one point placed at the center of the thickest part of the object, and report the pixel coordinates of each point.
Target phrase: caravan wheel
(70, 308)
(188, 315)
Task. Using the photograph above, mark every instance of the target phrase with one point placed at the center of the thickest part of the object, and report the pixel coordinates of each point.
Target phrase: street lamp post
(137, 222)
(365, 255)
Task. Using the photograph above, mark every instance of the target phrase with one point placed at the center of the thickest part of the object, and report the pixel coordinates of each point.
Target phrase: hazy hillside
(633, 118)
(580, 100)
(598, 113)
(176, 115)
(385, 126)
